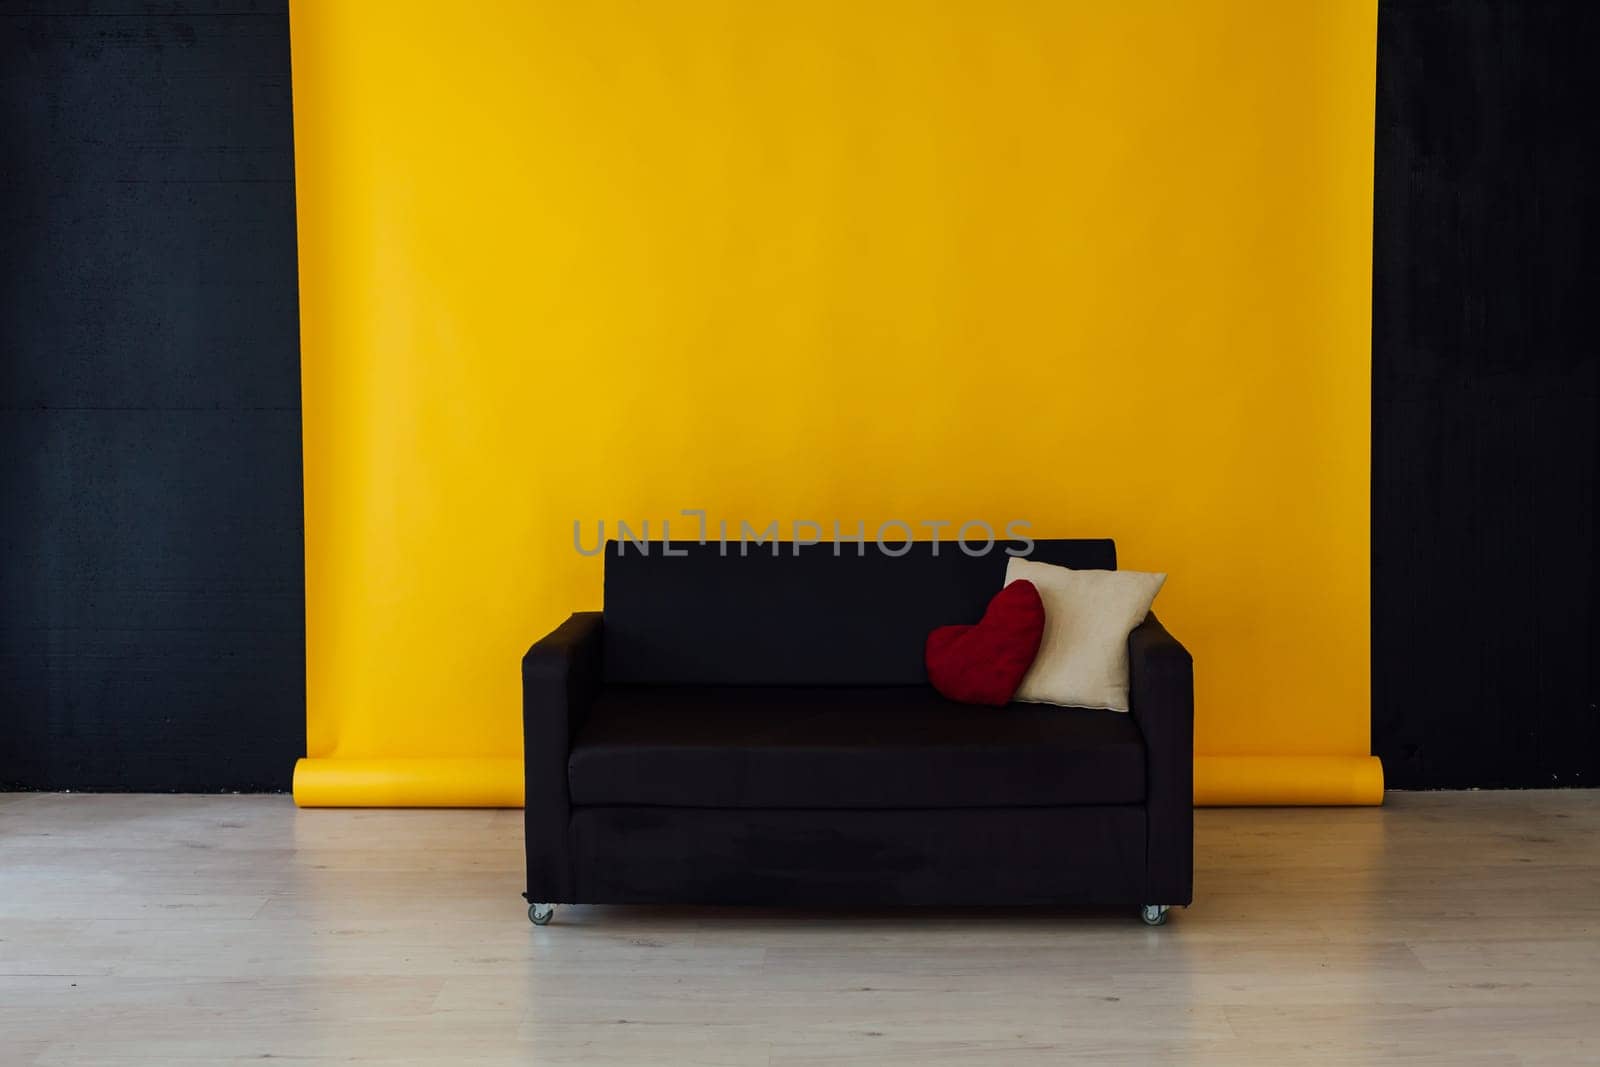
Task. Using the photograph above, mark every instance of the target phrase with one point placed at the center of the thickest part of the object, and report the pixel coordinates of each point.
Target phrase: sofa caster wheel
(1154, 914)
(539, 914)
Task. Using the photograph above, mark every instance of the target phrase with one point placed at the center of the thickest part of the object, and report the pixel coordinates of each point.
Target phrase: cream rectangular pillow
(1083, 659)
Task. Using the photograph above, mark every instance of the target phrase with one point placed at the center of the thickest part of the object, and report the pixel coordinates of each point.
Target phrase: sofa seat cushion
(823, 747)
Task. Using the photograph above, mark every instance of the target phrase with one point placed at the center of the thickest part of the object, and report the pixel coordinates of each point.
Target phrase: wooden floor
(1445, 928)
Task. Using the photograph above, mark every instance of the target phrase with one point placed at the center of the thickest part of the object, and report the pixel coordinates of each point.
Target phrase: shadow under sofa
(757, 728)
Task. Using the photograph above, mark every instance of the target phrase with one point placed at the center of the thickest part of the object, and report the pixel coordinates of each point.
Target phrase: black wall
(1484, 344)
(151, 598)
(151, 604)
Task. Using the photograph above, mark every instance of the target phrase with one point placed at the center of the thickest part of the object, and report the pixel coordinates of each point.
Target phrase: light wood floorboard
(1446, 928)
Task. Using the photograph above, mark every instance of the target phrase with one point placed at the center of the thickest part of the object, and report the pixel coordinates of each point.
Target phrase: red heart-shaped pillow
(984, 663)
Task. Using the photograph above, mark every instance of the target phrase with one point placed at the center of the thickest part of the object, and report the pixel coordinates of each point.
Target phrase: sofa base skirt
(982, 856)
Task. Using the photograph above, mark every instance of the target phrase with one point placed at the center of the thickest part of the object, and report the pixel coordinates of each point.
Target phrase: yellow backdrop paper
(1102, 267)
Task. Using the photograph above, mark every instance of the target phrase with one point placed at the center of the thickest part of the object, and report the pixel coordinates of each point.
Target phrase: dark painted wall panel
(1484, 394)
(151, 598)
(148, 171)
(174, 292)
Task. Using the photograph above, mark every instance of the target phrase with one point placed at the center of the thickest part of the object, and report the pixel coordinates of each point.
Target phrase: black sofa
(758, 729)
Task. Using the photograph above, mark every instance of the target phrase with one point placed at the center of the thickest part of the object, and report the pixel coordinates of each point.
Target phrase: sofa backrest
(806, 617)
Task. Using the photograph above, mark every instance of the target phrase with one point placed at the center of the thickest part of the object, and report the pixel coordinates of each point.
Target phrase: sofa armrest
(1161, 700)
(560, 677)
